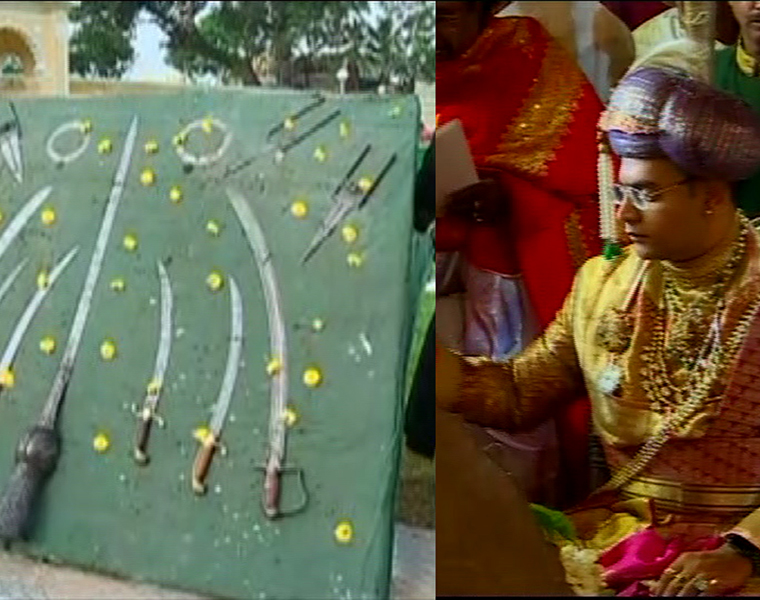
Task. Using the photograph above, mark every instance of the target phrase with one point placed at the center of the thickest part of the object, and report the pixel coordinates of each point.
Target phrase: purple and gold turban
(657, 112)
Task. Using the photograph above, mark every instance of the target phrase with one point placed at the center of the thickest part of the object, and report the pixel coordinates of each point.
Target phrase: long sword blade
(21, 218)
(31, 309)
(11, 278)
(165, 336)
(50, 411)
(224, 399)
(278, 344)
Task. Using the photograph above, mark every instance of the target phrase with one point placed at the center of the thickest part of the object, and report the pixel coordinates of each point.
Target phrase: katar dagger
(274, 466)
(149, 413)
(347, 197)
(10, 146)
(39, 449)
(212, 440)
(14, 343)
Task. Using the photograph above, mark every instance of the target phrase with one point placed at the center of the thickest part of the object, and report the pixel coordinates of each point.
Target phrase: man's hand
(448, 376)
(481, 202)
(717, 571)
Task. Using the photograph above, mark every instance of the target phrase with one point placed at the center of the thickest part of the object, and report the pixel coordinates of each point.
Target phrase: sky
(149, 62)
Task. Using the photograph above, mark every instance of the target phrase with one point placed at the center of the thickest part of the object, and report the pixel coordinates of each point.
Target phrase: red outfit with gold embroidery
(530, 117)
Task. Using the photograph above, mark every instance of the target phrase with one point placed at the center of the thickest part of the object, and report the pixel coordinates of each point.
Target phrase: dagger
(10, 146)
(274, 466)
(347, 198)
(11, 278)
(148, 414)
(211, 441)
(21, 217)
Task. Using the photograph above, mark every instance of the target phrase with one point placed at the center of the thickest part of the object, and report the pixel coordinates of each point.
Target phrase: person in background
(665, 340)
(599, 41)
(529, 115)
(737, 71)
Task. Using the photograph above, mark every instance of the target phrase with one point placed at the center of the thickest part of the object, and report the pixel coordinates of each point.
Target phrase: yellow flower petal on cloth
(7, 378)
(101, 443)
(344, 532)
(47, 344)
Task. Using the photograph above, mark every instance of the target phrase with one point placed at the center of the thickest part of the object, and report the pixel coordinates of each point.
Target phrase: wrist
(746, 549)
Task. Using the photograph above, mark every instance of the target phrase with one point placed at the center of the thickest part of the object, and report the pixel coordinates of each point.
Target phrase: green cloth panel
(101, 511)
(729, 78)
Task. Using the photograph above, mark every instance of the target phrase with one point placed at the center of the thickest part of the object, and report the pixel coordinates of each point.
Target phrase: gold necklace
(690, 321)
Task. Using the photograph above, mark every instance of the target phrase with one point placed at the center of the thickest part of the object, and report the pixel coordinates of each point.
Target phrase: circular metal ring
(58, 158)
(203, 160)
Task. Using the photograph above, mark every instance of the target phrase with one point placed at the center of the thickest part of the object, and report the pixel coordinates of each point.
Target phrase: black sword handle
(36, 458)
(141, 440)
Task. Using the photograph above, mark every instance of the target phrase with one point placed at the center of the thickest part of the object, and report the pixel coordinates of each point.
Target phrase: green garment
(729, 78)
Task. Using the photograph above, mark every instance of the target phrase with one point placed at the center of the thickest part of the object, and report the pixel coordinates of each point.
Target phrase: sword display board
(152, 263)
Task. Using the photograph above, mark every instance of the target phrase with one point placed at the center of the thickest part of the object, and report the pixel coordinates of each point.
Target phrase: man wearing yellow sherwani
(665, 339)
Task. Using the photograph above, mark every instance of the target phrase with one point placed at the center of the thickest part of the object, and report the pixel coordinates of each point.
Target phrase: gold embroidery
(532, 139)
(576, 243)
(614, 119)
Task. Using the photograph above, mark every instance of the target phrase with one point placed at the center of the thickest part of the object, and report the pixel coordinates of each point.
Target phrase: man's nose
(627, 212)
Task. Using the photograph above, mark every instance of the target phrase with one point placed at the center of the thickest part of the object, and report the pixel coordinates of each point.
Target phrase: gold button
(151, 147)
(148, 177)
(108, 350)
(299, 209)
(47, 344)
(312, 377)
(105, 146)
(344, 532)
(101, 443)
(215, 281)
(130, 242)
(48, 216)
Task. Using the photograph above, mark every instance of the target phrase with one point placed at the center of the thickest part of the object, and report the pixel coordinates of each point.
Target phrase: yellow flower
(317, 324)
(354, 259)
(148, 177)
(312, 377)
(118, 285)
(43, 279)
(48, 216)
(299, 209)
(395, 111)
(151, 147)
(47, 344)
(101, 443)
(105, 146)
(208, 125)
(344, 532)
(201, 433)
(85, 126)
(345, 129)
(108, 350)
(290, 416)
(130, 242)
(350, 233)
(289, 124)
(365, 184)
(154, 386)
(7, 378)
(179, 139)
(320, 154)
(274, 366)
(213, 227)
(175, 194)
(215, 281)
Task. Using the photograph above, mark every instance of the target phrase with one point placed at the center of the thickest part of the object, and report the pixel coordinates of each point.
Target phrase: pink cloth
(643, 556)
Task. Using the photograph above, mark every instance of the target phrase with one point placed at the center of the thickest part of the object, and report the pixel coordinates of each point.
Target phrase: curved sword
(11, 278)
(212, 440)
(21, 217)
(148, 413)
(11, 349)
(273, 468)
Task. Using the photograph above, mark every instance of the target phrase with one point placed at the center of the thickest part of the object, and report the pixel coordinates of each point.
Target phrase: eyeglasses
(641, 198)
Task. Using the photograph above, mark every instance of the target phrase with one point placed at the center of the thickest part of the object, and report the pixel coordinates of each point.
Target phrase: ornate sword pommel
(36, 458)
(202, 464)
(141, 441)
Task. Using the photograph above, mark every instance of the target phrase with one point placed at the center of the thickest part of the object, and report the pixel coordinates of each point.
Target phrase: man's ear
(716, 194)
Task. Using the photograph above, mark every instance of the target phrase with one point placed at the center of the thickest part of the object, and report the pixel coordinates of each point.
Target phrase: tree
(227, 40)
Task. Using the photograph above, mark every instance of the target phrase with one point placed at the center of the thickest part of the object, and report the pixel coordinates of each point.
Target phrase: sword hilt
(202, 463)
(147, 416)
(272, 488)
(36, 458)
